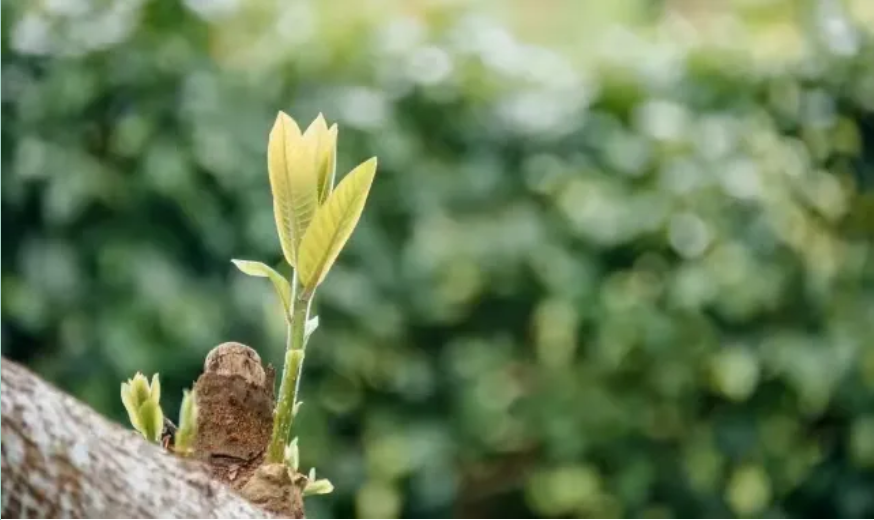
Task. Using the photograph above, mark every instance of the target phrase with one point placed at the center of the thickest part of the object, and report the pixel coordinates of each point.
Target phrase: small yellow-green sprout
(184, 444)
(314, 221)
(292, 457)
(317, 487)
(142, 402)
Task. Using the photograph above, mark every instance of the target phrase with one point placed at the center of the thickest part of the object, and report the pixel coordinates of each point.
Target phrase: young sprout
(184, 442)
(314, 221)
(142, 402)
(317, 487)
(311, 485)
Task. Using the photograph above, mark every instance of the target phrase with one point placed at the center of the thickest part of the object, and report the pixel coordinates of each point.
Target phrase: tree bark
(60, 459)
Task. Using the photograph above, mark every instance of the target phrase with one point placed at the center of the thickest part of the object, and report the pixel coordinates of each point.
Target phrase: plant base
(235, 400)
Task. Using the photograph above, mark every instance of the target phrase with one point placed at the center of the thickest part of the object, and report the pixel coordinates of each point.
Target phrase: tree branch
(60, 459)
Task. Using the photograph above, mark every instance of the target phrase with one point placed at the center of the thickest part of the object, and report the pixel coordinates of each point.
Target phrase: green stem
(294, 355)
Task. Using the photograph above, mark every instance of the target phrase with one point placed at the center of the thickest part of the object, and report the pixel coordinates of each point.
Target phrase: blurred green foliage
(630, 277)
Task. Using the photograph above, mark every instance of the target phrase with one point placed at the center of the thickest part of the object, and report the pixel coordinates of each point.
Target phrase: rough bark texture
(60, 459)
(234, 424)
(271, 488)
(235, 418)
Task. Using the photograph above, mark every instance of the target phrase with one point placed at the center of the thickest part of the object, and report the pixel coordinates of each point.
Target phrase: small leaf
(327, 163)
(311, 326)
(155, 389)
(130, 404)
(280, 283)
(312, 474)
(291, 161)
(333, 225)
(292, 455)
(296, 408)
(140, 388)
(318, 487)
(151, 420)
(323, 142)
(187, 423)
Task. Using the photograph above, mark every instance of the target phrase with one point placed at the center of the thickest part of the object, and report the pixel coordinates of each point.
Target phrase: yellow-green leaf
(130, 404)
(284, 129)
(293, 181)
(292, 455)
(151, 420)
(323, 142)
(327, 163)
(333, 225)
(318, 487)
(140, 388)
(187, 423)
(283, 288)
(155, 389)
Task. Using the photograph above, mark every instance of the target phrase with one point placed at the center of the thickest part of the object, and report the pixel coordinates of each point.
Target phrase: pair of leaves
(142, 402)
(301, 168)
(313, 221)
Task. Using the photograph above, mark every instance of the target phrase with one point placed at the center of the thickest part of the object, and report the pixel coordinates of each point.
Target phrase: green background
(616, 261)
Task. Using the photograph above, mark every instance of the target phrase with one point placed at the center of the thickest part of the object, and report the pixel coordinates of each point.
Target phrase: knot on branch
(236, 359)
(235, 412)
